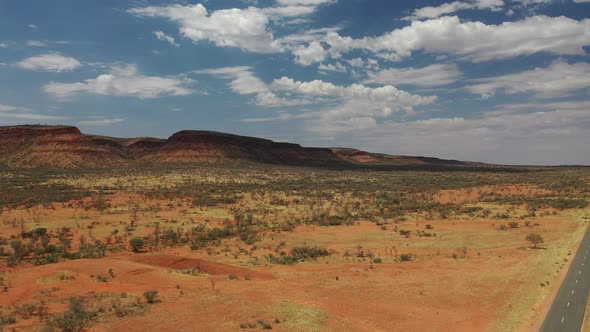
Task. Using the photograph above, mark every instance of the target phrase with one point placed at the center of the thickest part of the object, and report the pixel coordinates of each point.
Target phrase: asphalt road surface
(567, 311)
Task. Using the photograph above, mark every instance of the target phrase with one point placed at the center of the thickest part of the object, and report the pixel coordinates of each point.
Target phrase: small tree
(75, 318)
(150, 296)
(535, 239)
(136, 244)
(19, 248)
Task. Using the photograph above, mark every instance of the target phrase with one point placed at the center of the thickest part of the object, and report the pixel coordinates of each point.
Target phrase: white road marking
(568, 304)
(572, 291)
(576, 281)
(562, 318)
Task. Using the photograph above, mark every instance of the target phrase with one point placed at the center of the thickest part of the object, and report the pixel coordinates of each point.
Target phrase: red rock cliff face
(66, 147)
(54, 147)
(212, 147)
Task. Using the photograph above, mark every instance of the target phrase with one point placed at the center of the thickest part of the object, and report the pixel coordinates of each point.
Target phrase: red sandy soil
(204, 266)
(433, 293)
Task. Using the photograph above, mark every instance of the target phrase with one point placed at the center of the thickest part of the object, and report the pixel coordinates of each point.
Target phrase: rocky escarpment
(56, 147)
(367, 158)
(33, 146)
(192, 146)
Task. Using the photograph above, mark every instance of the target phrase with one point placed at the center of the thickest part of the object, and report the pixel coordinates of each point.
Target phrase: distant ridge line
(39, 146)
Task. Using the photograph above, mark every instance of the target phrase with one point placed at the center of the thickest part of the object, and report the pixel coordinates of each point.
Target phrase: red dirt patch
(204, 266)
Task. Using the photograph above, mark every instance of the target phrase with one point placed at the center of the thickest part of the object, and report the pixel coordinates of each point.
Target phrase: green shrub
(76, 318)
(7, 320)
(150, 296)
(136, 244)
(308, 252)
(565, 203)
(265, 325)
(102, 278)
(283, 259)
(406, 257)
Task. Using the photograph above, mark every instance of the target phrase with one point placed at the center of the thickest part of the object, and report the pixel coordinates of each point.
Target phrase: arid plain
(250, 246)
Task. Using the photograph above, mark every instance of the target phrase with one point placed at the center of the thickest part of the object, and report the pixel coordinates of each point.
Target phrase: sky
(499, 81)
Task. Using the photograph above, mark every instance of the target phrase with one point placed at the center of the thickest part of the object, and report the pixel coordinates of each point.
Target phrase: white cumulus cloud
(558, 79)
(307, 55)
(164, 37)
(473, 41)
(288, 11)
(346, 107)
(52, 62)
(337, 67)
(455, 6)
(244, 82)
(123, 81)
(242, 28)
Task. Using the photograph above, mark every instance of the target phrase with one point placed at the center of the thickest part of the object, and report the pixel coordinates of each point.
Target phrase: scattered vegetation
(535, 239)
(76, 318)
(246, 215)
(300, 254)
(289, 197)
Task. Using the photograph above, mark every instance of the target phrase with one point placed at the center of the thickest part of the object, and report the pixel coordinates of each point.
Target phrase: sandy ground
(469, 277)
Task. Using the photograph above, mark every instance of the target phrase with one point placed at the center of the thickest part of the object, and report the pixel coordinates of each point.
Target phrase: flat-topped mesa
(55, 147)
(31, 146)
(204, 136)
(35, 132)
(190, 146)
(15, 139)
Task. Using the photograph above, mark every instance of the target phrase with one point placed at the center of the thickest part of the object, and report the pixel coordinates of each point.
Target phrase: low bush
(150, 295)
(406, 257)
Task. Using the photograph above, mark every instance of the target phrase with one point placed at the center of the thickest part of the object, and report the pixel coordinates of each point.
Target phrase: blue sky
(500, 81)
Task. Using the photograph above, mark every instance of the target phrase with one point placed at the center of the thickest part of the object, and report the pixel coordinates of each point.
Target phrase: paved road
(567, 311)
